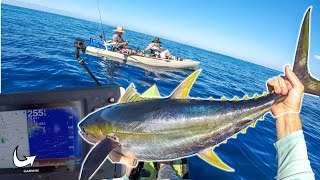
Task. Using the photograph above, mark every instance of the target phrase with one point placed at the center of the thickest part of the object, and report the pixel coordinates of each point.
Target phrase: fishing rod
(104, 36)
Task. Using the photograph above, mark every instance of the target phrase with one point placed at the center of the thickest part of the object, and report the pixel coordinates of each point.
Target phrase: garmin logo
(31, 171)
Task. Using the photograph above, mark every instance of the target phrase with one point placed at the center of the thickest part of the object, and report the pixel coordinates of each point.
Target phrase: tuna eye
(115, 138)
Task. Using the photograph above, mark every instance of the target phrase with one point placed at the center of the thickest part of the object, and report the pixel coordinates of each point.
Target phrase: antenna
(104, 36)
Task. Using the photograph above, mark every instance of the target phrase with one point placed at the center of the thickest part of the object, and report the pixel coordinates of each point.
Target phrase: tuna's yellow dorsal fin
(153, 91)
(210, 157)
(131, 95)
(183, 89)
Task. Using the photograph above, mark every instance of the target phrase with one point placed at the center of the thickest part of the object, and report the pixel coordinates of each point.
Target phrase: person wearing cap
(120, 44)
(157, 50)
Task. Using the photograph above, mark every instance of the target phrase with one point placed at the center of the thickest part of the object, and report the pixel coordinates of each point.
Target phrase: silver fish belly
(171, 128)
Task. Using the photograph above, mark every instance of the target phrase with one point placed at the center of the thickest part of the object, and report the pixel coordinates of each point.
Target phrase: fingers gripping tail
(300, 68)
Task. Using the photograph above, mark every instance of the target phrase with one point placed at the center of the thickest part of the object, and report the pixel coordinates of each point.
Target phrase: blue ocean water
(38, 54)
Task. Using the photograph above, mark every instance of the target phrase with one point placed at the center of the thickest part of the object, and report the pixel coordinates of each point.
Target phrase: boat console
(45, 124)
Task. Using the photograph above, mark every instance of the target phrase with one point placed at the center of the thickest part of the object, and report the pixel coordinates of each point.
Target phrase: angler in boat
(119, 44)
(157, 51)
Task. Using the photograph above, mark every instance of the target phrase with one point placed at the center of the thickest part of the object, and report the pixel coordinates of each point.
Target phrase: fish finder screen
(49, 133)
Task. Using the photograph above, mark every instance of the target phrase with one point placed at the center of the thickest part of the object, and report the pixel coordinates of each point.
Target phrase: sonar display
(50, 134)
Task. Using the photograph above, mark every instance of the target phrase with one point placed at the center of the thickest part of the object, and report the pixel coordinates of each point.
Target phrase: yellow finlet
(246, 98)
(153, 91)
(260, 118)
(224, 141)
(264, 94)
(235, 99)
(244, 130)
(252, 124)
(234, 136)
(255, 96)
(210, 157)
(211, 98)
(183, 89)
(224, 98)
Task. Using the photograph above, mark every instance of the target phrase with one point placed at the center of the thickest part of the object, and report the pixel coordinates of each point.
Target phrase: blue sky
(263, 32)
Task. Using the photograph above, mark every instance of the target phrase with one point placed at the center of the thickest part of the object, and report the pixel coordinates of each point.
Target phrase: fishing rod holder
(79, 45)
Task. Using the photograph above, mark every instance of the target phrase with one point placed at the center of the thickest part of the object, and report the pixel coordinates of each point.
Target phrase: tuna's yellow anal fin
(183, 89)
(210, 157)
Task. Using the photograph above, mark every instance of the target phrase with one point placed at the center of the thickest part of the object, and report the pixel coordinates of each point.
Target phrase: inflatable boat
(98, 49)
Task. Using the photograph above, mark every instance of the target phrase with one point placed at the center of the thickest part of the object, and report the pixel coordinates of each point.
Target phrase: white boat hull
(134, 59)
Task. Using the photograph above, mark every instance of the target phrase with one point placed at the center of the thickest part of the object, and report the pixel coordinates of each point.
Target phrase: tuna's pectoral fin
(183, 89)
(96, 157)
(210, 157)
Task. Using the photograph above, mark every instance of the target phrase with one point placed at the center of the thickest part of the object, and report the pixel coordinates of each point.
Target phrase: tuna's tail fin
(300, 68)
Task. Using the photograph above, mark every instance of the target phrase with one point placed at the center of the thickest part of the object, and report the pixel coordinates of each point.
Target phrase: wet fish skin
(167, 129)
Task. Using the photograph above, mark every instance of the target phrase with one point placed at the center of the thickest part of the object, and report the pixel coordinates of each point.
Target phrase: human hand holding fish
(287, 112)
(120, 158)
(292, 87)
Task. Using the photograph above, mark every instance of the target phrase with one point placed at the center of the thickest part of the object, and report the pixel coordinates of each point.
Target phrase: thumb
(292, 77)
